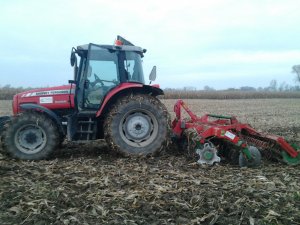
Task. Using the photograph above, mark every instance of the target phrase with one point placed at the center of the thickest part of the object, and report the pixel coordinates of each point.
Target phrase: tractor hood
(51, 91)
(60, 97)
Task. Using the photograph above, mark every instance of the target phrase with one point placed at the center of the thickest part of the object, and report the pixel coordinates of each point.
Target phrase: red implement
(221, 130)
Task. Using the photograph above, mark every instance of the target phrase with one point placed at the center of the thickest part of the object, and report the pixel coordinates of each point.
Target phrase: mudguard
(122, 88)
(51, 114)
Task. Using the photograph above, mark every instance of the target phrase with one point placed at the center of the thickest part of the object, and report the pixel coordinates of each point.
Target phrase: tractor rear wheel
(30, 136)
(137, 125)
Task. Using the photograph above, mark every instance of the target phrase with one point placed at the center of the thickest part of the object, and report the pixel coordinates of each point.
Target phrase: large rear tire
(137, 125)
(30, 136)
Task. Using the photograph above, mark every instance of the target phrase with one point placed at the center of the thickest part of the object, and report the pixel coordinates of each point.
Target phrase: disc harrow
(212, 137)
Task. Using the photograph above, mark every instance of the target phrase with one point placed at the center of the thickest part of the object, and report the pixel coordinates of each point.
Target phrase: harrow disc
(208, 154)
(256, 158)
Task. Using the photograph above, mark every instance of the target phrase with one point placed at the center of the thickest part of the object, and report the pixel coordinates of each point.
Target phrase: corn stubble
(86, 184)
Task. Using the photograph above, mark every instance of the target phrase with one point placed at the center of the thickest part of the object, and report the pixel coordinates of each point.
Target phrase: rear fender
(124, 89)
(51, 114)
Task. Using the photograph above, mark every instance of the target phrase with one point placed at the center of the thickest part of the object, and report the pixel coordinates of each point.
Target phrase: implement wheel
(30, 136)
(254, 162)
(137, 125)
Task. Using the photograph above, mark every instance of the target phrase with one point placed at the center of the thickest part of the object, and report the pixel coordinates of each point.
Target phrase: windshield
(133, 67)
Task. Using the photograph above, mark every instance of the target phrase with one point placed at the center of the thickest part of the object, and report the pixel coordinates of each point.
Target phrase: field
(5, 107)
(87, 184)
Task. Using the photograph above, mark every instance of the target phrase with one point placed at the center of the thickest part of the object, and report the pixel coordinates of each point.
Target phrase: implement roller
(211, 138)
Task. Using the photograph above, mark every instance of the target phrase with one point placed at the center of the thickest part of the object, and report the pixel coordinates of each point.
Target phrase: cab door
(100, 75)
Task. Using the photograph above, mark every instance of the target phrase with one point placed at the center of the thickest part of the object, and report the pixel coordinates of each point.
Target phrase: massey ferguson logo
(43, 93)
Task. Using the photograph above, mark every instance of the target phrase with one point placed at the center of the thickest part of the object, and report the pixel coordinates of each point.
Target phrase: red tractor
(108, 99)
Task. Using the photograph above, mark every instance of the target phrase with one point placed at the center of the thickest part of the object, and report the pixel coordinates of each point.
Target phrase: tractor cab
(103, 68)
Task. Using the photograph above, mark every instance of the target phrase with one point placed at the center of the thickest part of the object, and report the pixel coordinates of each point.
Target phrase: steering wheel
(97, 80)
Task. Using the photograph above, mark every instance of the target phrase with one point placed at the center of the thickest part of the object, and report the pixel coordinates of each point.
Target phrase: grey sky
(220, 43)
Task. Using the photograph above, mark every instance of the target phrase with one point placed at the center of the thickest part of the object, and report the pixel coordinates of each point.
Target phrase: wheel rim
(138, 128)
(30, 139)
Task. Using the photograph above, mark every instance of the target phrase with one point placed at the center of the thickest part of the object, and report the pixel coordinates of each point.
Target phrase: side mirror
(73, 59)
(152, 75)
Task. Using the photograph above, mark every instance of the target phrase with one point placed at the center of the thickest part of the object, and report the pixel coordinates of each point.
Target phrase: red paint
(58, 98)
(62, 100)
(289, 149)
(207, 128)
(116, 90)
(15, 105)
(118, 42)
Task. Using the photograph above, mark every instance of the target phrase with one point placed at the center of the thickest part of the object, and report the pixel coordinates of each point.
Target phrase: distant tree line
(274, 90)
(273, 87)
(227, 94)
(7, 92)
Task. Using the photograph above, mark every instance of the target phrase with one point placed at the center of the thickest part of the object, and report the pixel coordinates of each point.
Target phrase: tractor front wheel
(137, 125)
(30, 136)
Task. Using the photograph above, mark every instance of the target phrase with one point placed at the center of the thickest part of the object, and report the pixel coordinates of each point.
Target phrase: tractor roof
(120, 44)
(113, 47)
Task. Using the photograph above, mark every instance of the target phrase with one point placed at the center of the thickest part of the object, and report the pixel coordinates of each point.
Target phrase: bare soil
(88, 184)
(5, 107)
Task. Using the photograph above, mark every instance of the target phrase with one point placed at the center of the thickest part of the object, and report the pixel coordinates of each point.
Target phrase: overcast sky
(220, 43)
